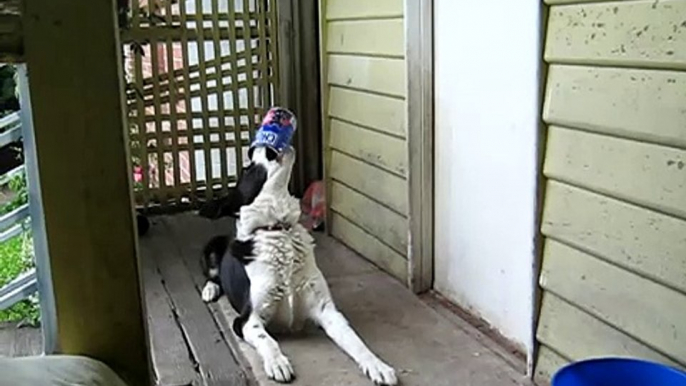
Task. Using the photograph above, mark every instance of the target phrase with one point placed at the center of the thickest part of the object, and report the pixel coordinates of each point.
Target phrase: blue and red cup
(276, 130)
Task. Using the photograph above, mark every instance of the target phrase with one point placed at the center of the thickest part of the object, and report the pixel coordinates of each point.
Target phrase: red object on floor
(313, 206)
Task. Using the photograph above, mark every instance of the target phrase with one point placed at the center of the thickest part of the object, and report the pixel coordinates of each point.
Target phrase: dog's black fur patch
(229, 257)
(236, 285)
(243, 250)
(248, 187)
(271, 154)
(143, 224)
(222, 207)
(212, 256)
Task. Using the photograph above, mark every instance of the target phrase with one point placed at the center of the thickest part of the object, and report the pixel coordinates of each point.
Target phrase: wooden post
(74, 61)
(299, 85)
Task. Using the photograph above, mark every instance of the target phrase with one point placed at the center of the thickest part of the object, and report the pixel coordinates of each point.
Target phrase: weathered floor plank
(418, 341)
(215, 359)
(173, 362)
(19, 342)
(190, 233)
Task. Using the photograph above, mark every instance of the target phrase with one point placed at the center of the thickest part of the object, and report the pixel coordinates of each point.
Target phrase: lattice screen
(200, 74)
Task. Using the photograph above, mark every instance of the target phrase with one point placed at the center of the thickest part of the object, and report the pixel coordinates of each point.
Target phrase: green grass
(16, 257)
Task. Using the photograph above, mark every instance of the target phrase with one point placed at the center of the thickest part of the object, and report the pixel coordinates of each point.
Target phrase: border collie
(269, 272)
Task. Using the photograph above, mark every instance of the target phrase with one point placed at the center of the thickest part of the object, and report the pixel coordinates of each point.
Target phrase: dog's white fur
(286, 286)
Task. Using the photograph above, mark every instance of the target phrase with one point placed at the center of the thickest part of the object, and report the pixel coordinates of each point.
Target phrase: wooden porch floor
(191, 342)
(16, 341)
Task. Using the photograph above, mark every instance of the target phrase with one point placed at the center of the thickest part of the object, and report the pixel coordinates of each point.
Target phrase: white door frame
(420, 123)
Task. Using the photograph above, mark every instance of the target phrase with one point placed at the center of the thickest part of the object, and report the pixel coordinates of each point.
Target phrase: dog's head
(268, 172)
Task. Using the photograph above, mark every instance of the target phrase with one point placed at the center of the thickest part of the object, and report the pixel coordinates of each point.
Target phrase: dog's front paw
(210, 292)
(279, 368)
(379, 372)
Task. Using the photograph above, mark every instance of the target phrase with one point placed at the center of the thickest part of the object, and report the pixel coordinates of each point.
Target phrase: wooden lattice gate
(200, 73)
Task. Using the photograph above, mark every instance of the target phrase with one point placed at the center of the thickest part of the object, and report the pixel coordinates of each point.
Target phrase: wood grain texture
(18, 341)
(386, 152)
(628, 302)
(386, 225)
(627, 235)
(374, 182)
(579, 335)
(170, 354)
(356, 9)
(216, 361)
(366, 37)
(375, 111)
(185, 63)
(204, 103)
(381, 75)
(646, 105)
(158, 160)
(217, 100)
(236, 92)
(190, 232)
(364, 82)
(370, 247)
(174, 118)
(643, 33)
(650, 175)
(144, 194)
(82, 142)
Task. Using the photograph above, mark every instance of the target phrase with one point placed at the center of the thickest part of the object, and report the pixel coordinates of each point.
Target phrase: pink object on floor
(314, 206)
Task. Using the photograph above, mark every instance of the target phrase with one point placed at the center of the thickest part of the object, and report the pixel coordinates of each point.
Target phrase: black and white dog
(268, 271)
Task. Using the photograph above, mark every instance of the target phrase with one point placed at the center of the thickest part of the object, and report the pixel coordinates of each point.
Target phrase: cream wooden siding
(614, 218)
(365, 127)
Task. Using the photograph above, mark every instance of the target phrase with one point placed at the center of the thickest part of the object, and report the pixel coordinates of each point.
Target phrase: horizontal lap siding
(365, 82)
(614, 217)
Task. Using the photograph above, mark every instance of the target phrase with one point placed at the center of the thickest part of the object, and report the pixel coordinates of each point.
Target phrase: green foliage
(16, 254)
(17, 185)
(16, 257)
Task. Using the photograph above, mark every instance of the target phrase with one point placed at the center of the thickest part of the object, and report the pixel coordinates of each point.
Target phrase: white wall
(487, 113)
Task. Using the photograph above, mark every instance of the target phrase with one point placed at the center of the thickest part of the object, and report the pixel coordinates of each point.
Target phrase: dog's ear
(223, 207)
(248, 187)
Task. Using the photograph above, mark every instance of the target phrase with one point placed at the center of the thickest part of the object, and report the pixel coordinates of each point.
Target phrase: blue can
(618, 372)
(276, 130)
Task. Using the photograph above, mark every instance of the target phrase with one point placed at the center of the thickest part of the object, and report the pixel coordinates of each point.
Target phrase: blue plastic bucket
(618, 372)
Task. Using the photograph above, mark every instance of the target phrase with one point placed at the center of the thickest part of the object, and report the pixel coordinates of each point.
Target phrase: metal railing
(12, 223)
